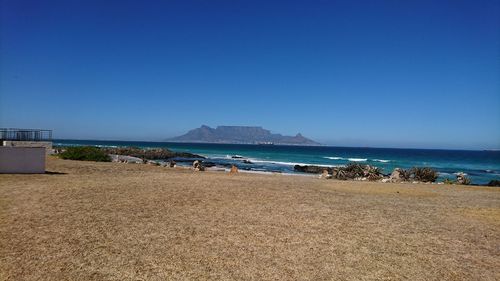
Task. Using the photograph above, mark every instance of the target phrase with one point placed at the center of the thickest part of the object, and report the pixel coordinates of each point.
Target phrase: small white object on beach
(125, 159)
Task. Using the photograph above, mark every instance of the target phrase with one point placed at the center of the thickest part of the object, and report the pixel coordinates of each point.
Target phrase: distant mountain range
(240, 135)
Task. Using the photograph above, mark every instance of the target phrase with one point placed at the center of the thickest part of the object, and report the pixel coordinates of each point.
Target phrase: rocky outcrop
(462, 178)
(198, 166)
(494, 183)
(311, 169)
(396, 175)
(207, 164)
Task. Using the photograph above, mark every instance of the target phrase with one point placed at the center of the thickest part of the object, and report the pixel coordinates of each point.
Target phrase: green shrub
(356, 171)
(405, 174)
(85, 153)
(424, 174)
(373, 173)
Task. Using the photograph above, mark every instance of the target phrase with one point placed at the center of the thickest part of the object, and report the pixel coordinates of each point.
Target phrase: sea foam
(357, 159)
(382, 160)
(334, 158)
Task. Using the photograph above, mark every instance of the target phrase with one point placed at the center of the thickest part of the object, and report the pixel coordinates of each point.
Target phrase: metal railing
(14, 134)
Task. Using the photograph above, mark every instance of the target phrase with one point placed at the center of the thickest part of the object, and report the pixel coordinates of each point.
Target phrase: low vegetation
(85, 153)
(405, 175)
(357, 171)
(423, 174)
(149, 154)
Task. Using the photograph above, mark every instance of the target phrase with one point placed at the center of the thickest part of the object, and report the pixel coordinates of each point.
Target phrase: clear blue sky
(351, 73)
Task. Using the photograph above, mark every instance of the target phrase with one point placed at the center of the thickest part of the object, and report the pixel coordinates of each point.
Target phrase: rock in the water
(234, 170)
(208, 164)
(247, 161)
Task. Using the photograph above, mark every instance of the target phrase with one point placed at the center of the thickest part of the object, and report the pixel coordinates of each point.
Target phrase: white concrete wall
(46, 144)
(22, 160)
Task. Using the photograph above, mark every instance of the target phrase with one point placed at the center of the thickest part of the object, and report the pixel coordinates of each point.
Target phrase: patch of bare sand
(107, 221)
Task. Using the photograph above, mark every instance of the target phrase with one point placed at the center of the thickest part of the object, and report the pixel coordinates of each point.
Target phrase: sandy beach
(112, 221)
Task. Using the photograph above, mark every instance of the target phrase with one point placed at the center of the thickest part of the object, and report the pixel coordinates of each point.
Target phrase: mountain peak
(240, 135)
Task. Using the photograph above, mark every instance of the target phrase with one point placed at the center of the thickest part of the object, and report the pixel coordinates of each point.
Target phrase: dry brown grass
(107, 221)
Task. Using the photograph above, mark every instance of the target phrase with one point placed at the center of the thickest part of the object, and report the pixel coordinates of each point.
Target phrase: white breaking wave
(357, 159)
(334, 158)
(104, 145)
(235, 156)
(382, 160)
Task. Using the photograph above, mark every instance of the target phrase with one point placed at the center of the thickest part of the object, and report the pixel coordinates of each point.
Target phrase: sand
(112, 221)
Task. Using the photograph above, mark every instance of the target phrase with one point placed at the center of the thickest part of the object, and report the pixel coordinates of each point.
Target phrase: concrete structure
(22, 160)
(46, 144)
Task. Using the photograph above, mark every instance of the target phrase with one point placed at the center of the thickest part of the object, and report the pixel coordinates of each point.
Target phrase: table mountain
(241, 135)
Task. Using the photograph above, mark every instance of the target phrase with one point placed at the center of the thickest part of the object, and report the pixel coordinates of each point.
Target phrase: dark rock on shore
(494, 183)
(150, 154)
(208, 164)
(311, 169)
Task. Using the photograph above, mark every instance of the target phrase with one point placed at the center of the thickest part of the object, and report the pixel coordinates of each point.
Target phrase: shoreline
(272, 160)
(223, 170)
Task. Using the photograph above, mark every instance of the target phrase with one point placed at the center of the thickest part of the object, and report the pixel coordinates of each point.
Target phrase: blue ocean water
(481, 166)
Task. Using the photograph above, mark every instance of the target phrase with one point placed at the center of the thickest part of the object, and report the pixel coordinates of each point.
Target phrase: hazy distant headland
(241, 135)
